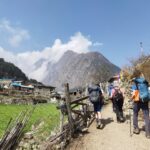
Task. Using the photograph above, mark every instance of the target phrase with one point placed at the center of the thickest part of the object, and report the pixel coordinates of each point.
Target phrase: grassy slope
(43, 112)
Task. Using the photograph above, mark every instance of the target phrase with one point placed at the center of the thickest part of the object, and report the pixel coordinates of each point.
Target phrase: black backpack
(118, 96)
(94, 93)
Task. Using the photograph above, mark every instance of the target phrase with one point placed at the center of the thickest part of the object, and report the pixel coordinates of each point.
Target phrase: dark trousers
(117, 105)
(144, 106)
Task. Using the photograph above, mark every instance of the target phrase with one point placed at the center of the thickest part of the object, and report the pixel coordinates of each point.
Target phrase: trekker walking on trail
(117, 101)
(96, 98)
(110, 87)
(140, 97)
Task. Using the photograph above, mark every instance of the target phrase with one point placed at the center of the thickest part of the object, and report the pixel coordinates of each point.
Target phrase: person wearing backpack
(117, 100)
(96, 98)
(140, 97)
(111, 88)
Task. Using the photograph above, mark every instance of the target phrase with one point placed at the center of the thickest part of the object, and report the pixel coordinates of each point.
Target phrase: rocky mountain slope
(80, 69)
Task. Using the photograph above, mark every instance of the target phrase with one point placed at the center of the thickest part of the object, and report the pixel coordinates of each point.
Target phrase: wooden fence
(14, 130)
(76, 116)
(79, 117)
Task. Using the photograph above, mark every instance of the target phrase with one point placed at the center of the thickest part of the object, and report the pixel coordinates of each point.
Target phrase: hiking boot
(118, 120)
(98, 126)
(148, 136)
(121, 119)
(136, 131)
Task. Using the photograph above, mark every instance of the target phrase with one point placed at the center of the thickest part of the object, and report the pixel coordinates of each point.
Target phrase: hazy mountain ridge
(80, 69)
(9, 70)
(77, 69)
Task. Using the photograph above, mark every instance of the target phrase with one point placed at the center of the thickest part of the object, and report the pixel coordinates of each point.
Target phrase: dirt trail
(113, 136)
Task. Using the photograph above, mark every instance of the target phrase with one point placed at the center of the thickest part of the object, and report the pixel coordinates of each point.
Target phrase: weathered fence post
(68, 100)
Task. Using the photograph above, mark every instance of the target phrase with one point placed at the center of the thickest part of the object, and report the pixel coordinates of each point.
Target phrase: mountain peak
(80, 69)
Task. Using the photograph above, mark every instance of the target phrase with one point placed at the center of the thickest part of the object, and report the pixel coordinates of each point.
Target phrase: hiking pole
(130, 122)
(130, 108)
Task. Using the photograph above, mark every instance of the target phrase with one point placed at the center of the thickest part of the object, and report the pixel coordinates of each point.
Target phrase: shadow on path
(106, 122)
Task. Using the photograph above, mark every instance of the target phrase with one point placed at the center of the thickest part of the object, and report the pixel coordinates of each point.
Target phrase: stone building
(5, 82)
(43, 90)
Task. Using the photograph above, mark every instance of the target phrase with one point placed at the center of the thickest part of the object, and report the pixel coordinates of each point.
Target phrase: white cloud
(97, 44)
(26, 60)
(14, 35)
(9, 56)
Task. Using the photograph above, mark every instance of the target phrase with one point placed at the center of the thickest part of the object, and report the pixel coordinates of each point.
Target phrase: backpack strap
(136, 84)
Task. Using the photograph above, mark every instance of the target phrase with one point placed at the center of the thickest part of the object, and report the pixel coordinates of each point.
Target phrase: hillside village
(9, 87)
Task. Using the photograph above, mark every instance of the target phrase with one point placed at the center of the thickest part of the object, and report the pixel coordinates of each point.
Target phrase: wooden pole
(61, 121)
(79, 99)
(68, 101)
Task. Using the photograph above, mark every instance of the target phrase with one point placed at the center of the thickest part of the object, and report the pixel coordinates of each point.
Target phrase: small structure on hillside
(17, 85)
(26, 93)
(43, 90)
(4, 86)
(5, 82)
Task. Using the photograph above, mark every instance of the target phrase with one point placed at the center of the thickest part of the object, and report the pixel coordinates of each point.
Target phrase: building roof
(15, 84)
(6, 79)
(18, 84)
(44, 86)
(27, 86)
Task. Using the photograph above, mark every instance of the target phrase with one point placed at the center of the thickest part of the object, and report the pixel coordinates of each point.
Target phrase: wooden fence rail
(79, 117)
(14, 130)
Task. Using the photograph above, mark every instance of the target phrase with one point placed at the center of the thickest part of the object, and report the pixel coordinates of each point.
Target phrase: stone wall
(42, 95)
(28, 142)
(45, 92)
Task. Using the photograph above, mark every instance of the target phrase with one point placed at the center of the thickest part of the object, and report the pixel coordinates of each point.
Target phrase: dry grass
(142, 63)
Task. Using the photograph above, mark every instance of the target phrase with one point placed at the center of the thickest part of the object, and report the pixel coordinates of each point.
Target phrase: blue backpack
(94, 93)
(142, 86)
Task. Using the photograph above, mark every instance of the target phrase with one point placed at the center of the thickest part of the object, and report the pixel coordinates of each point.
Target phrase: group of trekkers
(140, 97)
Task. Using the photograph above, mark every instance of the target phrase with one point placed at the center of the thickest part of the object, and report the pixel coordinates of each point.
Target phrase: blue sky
(114, 27)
